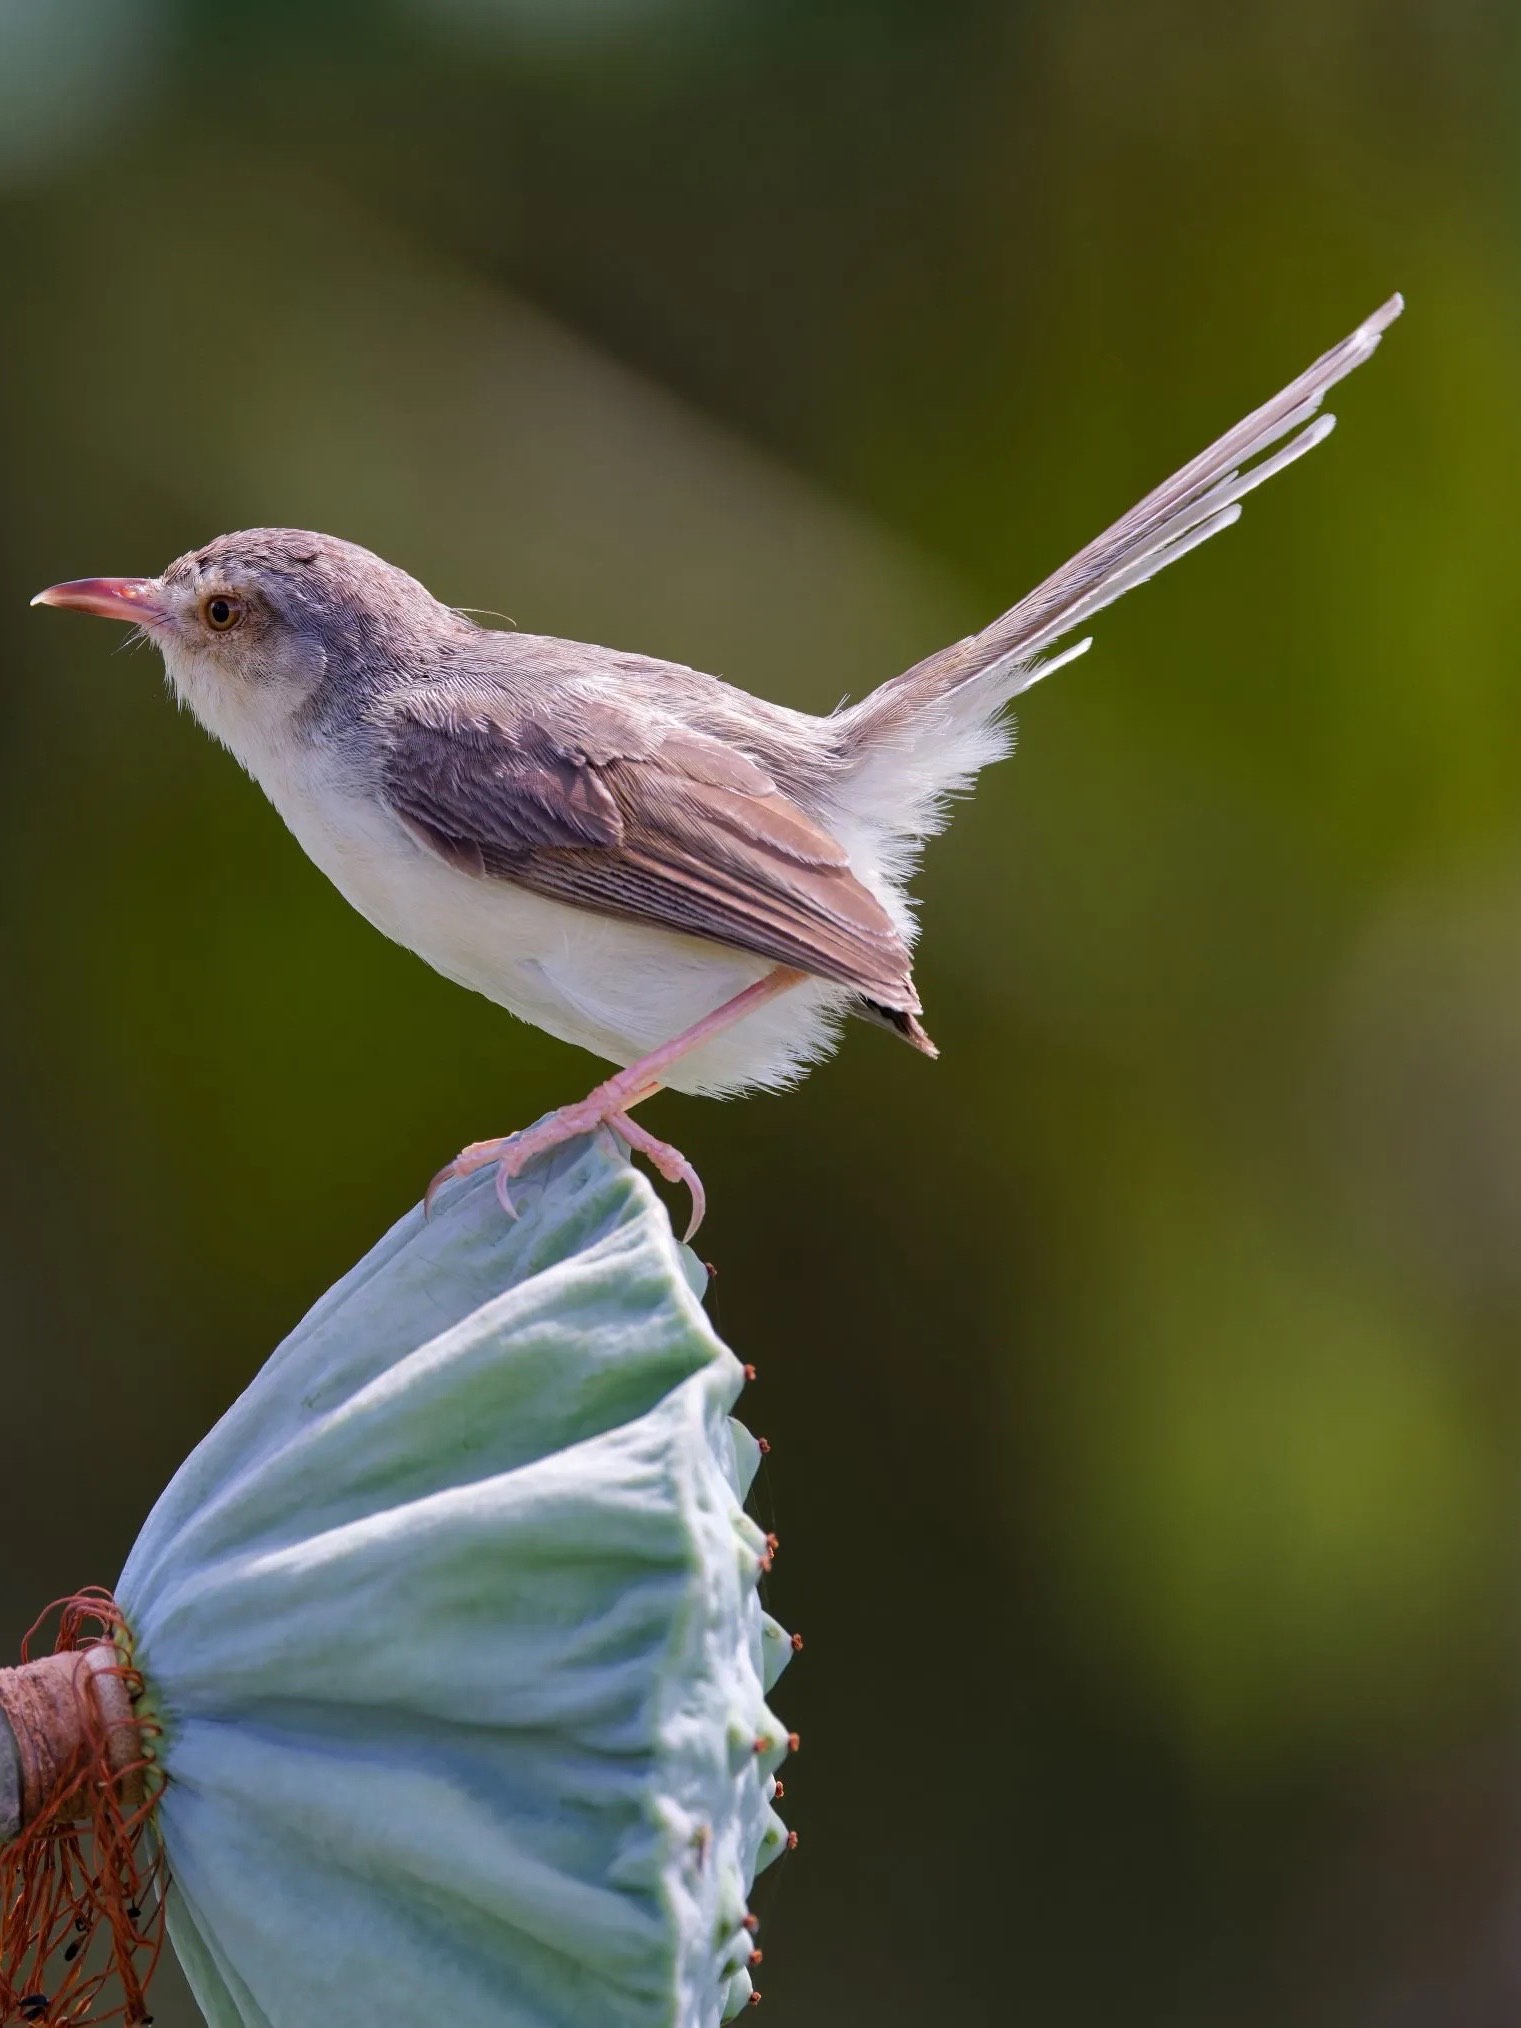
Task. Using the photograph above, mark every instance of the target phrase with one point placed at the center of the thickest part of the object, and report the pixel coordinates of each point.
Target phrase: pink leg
(609, 1106)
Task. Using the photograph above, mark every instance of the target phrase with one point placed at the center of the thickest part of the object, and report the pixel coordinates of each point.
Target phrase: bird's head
(254, 626)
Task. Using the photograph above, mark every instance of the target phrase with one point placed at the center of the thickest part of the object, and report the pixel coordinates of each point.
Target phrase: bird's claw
(513, 1154)
(670, 1162)
(465, 1163)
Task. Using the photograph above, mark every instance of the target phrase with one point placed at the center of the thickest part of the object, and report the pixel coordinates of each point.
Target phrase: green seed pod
(452, 1628)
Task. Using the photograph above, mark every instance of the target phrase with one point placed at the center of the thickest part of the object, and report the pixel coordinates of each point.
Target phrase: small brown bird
(690, 882)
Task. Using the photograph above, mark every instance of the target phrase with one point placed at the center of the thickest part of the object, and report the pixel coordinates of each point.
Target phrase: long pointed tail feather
(1194, 504)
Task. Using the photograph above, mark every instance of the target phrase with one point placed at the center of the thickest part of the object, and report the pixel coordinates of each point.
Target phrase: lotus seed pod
(449, 1639)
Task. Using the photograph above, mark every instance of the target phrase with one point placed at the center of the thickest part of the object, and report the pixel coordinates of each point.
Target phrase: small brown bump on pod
(794, 1742)
(792, 1841)
(779, 1789)
(751, 1923)
(749, 1371)
(797, 1644)
(756, 1956)
(755, 1999)
(763, 1445)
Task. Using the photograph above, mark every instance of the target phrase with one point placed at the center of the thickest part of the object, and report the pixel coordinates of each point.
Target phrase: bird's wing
(657, 823)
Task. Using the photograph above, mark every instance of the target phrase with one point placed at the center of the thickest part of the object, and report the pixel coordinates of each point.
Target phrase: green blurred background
(1142, 1378)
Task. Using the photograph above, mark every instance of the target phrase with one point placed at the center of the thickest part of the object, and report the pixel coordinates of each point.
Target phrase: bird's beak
(136, 600)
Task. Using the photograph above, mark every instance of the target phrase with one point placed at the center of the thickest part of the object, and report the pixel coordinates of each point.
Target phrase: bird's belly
(617, 988)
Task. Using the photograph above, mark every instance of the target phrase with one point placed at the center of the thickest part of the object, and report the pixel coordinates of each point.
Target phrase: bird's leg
(609, 1106)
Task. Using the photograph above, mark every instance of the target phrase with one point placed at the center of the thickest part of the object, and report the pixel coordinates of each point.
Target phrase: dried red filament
(81, 1885)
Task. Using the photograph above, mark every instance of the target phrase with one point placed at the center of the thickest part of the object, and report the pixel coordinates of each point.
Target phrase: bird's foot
(605, 1107)
(670, 1162)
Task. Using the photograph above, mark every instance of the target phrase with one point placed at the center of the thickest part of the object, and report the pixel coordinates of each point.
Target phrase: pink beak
(133, 599)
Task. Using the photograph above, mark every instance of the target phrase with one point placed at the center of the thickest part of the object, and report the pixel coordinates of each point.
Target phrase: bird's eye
(222, 612)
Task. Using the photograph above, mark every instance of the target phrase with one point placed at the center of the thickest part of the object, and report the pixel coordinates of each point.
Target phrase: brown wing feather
(669, 827)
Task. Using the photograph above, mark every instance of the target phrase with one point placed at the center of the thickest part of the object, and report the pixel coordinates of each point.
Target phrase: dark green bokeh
(1142, 1377)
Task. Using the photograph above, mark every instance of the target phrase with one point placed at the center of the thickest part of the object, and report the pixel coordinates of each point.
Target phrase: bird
(691, 882)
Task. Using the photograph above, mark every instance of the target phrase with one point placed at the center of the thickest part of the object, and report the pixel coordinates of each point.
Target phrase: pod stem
(81, 1884)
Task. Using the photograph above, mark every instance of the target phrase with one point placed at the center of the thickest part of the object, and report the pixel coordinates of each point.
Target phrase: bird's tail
(925, 734)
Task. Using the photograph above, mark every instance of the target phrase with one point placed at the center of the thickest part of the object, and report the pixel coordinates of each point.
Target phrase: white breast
(616, 988)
